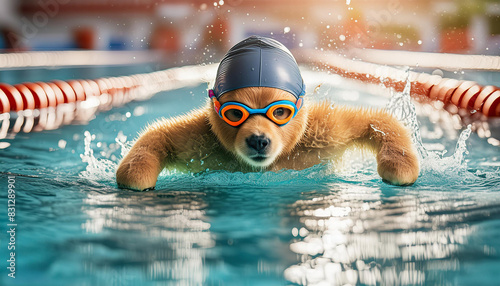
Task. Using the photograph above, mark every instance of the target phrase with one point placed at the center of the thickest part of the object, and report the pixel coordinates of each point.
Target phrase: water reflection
(358, 235)
(160, 236)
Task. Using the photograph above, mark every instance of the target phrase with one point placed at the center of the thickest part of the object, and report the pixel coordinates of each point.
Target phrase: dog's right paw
(138, 179)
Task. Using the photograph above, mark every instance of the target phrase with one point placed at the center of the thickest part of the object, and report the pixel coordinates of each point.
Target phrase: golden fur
(201, 140)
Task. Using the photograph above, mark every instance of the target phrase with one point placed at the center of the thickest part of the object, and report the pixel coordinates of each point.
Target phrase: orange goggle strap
(212, 96)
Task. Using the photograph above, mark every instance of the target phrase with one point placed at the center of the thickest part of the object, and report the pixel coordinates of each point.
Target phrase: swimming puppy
(257, 120)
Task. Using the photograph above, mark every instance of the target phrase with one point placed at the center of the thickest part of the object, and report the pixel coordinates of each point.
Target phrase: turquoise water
(316, 226)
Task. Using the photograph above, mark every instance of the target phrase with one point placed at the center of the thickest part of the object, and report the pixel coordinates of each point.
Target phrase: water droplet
(438, 72)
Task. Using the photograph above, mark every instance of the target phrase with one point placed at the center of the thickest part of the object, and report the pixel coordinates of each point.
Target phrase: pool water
(309, 227)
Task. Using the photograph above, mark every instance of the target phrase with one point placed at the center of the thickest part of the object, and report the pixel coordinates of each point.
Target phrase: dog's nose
(258, 143)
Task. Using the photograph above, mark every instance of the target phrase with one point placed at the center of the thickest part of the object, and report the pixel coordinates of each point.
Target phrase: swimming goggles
(235, 113)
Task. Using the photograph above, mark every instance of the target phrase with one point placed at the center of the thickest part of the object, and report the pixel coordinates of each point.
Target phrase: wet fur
(321, 131)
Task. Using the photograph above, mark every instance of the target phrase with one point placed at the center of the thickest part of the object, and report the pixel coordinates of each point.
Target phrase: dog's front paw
(138, 179)
(398, 167)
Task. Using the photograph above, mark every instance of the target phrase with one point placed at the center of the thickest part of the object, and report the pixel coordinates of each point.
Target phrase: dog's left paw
(398, 167)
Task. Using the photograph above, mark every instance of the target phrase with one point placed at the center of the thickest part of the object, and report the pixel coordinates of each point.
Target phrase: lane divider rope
(35, 106)
(463, 94)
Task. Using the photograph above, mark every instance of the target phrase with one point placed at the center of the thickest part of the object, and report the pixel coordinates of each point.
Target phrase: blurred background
(200, 29)
(266, 228)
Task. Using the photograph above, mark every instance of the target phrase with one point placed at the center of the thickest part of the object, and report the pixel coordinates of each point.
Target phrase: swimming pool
(74, 227)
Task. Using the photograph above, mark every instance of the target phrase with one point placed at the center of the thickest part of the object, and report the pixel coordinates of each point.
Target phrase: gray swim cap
(258, 61)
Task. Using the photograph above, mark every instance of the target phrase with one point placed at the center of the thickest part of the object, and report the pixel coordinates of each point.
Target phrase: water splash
(461, 148)
(101, 169)
(403, 109)
(436, 166)
(433, 164)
